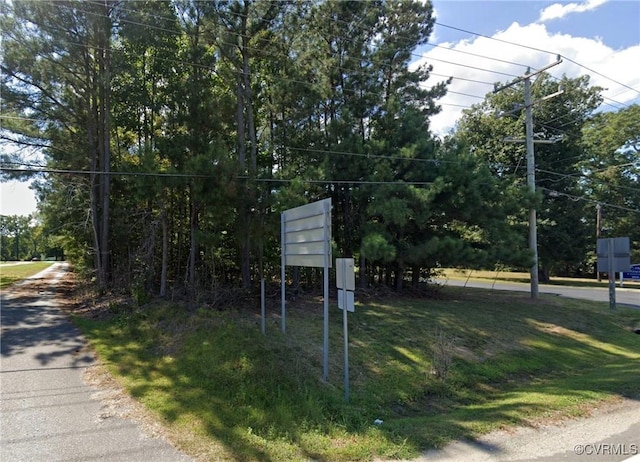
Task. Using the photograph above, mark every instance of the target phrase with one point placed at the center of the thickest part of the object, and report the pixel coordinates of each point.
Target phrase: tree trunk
(415, 276)
(105, 115)
(246, 258)
(242, 147)
(92, 118)
(165, 253)
(362, 272)
(247, 105)
(193, 248)
(348, 221)
(399, 276)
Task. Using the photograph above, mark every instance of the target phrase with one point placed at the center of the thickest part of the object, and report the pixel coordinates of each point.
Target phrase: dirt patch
(116, 402)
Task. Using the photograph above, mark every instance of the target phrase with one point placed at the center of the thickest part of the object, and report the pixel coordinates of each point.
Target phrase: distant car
(35, 259)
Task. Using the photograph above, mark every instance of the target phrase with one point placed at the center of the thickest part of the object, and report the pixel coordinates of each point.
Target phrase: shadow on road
(30, 317)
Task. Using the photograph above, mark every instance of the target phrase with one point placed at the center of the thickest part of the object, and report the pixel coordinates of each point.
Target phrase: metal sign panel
(345, 274)
(348, 297)
(621, 254)
(306, 234)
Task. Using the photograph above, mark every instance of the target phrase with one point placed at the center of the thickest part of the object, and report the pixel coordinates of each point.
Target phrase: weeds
(493, 358)
(443, 347)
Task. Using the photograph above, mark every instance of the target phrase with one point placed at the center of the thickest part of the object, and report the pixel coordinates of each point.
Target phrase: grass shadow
(212, 374)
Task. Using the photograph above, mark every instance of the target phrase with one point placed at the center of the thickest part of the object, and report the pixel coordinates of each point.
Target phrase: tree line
(175, 132)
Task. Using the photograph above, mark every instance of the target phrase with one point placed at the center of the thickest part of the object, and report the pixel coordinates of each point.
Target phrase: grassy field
(226, 392)
(512, 276)
(11, 272)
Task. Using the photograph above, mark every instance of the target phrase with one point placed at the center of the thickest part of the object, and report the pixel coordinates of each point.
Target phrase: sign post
(614, 255)
(345, 281)
(612, 274)
(305, 234)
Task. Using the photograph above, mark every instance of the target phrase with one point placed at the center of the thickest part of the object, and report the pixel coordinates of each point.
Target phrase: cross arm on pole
(528, 75)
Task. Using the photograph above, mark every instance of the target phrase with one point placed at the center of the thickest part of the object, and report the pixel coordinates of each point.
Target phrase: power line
(441, 47)
(602, 75)
(373, 156)
(194, 175)
(282, 78)
(260, 50)
(579, 175)
(536, 49)
(144, 13)
(554, 193)
(352, 70)
(453, 77)
(493, 38)
(98, 172)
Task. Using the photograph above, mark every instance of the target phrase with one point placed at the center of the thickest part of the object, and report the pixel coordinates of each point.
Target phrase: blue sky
(599, 38)
(617, 22)
(599, 35)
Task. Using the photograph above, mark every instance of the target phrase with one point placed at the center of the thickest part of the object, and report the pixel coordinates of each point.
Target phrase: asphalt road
(47, 411)
(624, 296)
(612, 434)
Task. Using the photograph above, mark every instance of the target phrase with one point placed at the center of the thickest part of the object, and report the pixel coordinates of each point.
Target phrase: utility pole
(531, 165)
(531, 184)
(598, 232)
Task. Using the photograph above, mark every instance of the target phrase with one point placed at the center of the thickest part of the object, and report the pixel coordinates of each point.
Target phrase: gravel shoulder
(611, 433)
(56, 402)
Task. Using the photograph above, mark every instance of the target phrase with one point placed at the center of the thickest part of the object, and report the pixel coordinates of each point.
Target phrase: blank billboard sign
(621, 253)
(306, 241)
(306, 235)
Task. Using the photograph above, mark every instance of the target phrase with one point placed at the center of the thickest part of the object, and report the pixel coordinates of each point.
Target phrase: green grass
(523, 277)
(229, 393)
(11, 272)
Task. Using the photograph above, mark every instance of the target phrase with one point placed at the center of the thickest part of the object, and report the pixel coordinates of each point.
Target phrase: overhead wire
(585, 176)
(413, 54)
(539, 50)
(448, 104)
(342, 67)
(337, 152)
(202, 176)
(553, 192)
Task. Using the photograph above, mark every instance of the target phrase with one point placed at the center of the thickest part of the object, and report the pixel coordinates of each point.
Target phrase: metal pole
(325, 369)
(531, 183)
(612, 274)
(345, 329)
(282, 275)
(598, 232)
(262, 307)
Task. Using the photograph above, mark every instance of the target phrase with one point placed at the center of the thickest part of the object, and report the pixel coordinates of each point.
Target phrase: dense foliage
(175, 132)
(594, 162)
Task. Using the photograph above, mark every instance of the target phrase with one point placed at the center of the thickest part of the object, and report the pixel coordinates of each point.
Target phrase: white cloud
(513, 61)
(433, 38)
(16, 198)
(560, 10)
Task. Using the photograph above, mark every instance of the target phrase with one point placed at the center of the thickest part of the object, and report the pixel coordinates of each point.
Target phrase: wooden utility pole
(531, 165)
(598, 232)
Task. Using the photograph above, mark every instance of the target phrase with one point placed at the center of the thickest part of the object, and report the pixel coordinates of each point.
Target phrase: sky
(600, 37)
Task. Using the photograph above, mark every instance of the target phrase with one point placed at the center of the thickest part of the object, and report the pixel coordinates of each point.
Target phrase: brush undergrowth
(230, 393)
